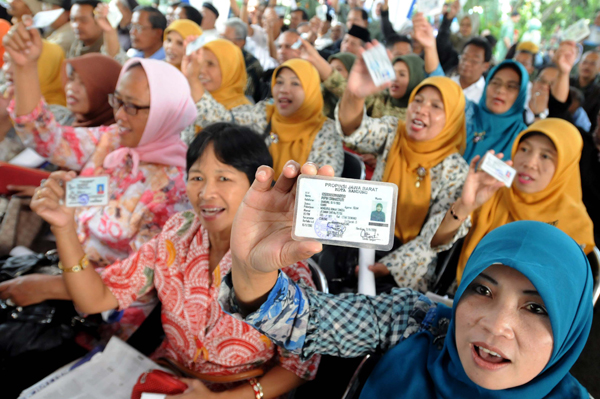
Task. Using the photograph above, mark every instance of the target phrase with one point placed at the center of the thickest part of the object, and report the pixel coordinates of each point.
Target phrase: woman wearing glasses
(141, 153)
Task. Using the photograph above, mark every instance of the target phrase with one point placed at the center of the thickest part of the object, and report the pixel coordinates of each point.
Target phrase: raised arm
(360, 85)
(565, 59)
(424, 35)
(34, 123)
(112, 46)
(85, 287)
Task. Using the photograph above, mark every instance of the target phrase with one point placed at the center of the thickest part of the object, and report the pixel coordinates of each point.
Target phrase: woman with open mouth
(292, 124)
(512, 332)
(174, 38)
(546, 188)
(422, 156)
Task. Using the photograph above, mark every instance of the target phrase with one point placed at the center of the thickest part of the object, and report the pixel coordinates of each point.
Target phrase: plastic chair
(318, 276)
(594, 258)
(445, 271)
(354, 167)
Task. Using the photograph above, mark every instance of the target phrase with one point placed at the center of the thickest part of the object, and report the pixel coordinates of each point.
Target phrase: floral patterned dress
(139, 205)
(413, 264)
(199, 335)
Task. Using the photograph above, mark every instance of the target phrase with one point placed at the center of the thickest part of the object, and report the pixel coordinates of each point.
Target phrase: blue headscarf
(488, 131)
(420, 367)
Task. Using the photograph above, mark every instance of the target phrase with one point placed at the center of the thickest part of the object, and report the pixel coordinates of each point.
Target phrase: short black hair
(304, 14)
(363, 13)
(156, 18)
(234, 145)
(491, 40)
(482, 44)
(192, 13)
(92, 3)
(391, 40)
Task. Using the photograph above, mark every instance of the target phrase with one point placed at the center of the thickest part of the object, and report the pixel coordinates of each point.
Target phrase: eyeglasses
(117, 103)
(497, 84)
(470, 61)
(139, 28)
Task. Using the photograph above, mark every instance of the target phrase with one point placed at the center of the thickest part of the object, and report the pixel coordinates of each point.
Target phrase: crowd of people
(203, 149)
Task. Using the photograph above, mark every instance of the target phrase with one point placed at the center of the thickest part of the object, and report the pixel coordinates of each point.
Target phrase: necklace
(421, 173)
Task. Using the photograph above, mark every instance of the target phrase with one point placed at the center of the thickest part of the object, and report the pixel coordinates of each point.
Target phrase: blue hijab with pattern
(422, 367)
(488, 131)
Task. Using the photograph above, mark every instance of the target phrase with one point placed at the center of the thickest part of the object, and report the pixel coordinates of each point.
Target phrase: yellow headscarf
(297, 132)
(233, 73)
(185, 28)
(406, 156)
(558, 204)
(49, 72)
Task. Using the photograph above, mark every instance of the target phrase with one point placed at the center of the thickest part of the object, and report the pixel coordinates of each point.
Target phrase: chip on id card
(379, 65)
(87, 191)
(345, 212)
(498, 169)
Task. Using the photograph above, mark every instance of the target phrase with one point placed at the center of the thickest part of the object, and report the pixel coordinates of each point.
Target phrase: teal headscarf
(420, 367)
(488, 131)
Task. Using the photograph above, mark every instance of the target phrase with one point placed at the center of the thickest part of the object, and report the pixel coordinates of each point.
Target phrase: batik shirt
(413, 264)
(199, 335)
(305, 321)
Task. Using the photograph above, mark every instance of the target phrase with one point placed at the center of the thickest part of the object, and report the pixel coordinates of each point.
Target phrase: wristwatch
(83, 264)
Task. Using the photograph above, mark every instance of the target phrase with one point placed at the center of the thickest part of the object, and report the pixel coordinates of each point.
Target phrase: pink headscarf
(172, 109)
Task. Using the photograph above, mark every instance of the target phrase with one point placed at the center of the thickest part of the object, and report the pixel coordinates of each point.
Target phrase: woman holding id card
(422, 156)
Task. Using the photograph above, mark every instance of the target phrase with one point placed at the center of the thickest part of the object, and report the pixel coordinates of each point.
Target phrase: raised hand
(453, 10)
(48, 200)
(101, 16)
(423, 31)
(23, 43)
(479, 186)
(565, 56)
(360, 83)
(261, 239)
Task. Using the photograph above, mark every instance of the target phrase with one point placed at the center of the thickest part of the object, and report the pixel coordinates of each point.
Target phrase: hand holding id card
(498, 169)
(379, 65)
(345, 212)
(87, 191)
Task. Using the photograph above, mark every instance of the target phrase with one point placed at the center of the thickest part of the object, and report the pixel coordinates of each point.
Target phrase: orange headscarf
(558, 204)
(233, 73)
(406, 156)
(297, 132)
(49, 72)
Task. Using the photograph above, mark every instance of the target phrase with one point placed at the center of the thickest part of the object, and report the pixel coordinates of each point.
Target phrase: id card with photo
(87, 191)
(498, 169)
(345, 212)
(379, 65)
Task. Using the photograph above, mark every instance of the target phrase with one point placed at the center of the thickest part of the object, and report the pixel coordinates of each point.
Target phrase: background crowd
(182, 136)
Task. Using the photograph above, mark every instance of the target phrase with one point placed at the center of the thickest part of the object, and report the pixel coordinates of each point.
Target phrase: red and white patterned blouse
(199, 334)
(139, 205)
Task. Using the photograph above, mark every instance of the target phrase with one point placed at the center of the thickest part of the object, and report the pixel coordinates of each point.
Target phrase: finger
(473, 164)
(326, 170)
(263, 179)
(62, 176)
(509, 163)
(499, 155)
(23, 33)
(309, 168)
(16, 42)
(55, 187)
(48, 193)
(288, 177)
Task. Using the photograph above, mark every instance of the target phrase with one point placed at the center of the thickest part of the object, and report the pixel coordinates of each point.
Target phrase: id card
(379, 65)
(44, 19)
(297, 44)
(430, 7)
(87, 191)
(577, 32)
(345, 212)
(498, 169)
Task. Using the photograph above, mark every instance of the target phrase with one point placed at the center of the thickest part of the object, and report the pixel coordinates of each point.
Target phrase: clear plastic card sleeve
(345, 212)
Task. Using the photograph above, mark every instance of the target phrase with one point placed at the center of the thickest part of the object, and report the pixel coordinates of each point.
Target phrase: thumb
(295, 251)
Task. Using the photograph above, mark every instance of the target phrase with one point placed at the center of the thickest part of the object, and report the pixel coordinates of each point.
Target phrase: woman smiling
(174, 38)
(512, 331)
(547, 188)
(293, 126)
